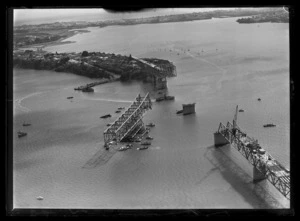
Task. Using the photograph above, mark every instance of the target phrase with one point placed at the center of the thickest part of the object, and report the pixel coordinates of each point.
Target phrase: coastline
(54, 29)
(70, 33)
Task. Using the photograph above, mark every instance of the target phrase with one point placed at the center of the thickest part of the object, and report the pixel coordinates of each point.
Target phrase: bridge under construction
(130, 122)
(264, 165)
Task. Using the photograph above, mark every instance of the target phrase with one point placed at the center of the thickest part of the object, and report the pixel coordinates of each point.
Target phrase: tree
(84, 54)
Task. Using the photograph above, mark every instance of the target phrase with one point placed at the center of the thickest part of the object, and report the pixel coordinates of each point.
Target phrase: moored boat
(150, 125)
(269, 125)
(105, 116)
(146, 143)
(21, 134)
(261, 151)
(169, 98)
(40, 198)
(123, 148)
(179, 112)
(87, 89)
(160, 99)
(142, 148)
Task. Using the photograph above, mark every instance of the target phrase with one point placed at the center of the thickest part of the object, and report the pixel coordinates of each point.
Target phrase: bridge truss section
(272, 170)
(129, 120)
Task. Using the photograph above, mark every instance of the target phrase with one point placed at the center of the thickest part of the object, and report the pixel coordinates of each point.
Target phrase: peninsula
(97, 65)
(275, 16)
(53, 33)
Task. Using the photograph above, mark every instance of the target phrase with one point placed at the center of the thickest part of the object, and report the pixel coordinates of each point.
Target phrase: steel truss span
(269, 167)
(129, 120)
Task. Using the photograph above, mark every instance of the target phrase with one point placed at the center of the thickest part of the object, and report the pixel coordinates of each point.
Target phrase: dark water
(181, 169)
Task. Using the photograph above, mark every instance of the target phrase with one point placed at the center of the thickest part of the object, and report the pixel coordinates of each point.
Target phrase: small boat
(118, 111)
(169, 97)
(160, 99)
(150, 125)
(121, 108)
(108, 125)
(105, 116)
(123, 148)
(254, 151)
(69, 97)
(87, 89)
(149, 138)
(179, 112)
(142, 148)
(21, 134)
(269, 125)
(241, 110)
(40, 198)
(26, 124)
(146, 143)
(259, 99)
(138, 140)
(261, 151)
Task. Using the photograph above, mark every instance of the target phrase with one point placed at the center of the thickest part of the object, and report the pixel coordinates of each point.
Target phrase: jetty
(87, 87)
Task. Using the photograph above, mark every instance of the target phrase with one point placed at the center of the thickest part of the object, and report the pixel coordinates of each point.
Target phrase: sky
(39, 16)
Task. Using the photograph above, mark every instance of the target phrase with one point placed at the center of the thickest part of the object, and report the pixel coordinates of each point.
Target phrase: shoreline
(76, 27)
(70, 34)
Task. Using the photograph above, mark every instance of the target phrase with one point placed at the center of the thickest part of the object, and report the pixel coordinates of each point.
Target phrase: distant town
(54, 33)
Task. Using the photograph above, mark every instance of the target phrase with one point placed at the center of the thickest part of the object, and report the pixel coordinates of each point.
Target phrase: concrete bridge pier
(160, 83)
(257, 175)
(220, 140)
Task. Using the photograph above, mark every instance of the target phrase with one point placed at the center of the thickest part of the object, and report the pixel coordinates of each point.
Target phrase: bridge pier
(220, 140)
(160, 83)
(257, 175)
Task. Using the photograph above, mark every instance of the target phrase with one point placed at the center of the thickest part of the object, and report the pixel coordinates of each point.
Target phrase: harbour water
(220, 64)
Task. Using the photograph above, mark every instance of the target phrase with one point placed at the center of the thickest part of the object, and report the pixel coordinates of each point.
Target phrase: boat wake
(19, 101)
(108, 100)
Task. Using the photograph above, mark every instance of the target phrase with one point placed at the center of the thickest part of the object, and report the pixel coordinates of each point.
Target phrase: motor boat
(150, 125)
(21, 134)
(149, 138)
(142, 148)
(269, 125)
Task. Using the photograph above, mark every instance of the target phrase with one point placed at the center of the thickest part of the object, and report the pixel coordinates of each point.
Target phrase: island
(54, 33)
(98, 65)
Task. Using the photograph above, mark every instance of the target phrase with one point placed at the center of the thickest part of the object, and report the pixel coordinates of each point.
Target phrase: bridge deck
(277, 175)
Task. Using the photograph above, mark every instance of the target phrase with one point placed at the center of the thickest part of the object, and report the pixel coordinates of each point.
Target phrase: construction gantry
(129, 121)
